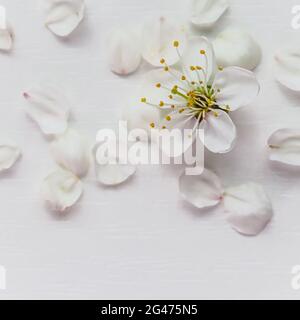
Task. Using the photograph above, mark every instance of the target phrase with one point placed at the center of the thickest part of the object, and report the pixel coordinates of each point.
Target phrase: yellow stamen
(144, 100)
(216, 114)
(168, 118)
(158, 85)
(220, 68)
(166, 68)
(161, 104)
(162, 61)
(192, 68)
(202, 51)
(152, 125)
(183, 78)
(176, 44)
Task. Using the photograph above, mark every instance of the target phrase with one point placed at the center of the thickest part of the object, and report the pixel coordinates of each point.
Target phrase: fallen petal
(207, 12)
(287, 67)
(285, 146)
(9, 154)
(61, 190)
(158, 41)
(64, 16)
(235, 47)
(71, 151)
(124, 51)
(48, 108)
(112, 168)
(248, 208)
(203, 190)
(6, 39)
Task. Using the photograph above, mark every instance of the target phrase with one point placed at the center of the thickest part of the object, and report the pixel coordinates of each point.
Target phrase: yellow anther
(176, 44)
(199, 68)
(168, 118)
(163, 127)
(202, 51)
(193, 83)
(152, 125)
(172, 106)
(166, 68)
(220, 68)
(161, 104)
(192, 68)
(158, 85)
(183, 78)
(143, 100)
(170, 96)
(162, 61)
(216, 114)
(181, 110)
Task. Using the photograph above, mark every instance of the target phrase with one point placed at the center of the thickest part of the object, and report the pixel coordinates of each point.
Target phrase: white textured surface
(140, 240)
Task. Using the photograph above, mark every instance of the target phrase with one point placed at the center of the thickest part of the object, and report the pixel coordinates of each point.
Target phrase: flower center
(197, 97)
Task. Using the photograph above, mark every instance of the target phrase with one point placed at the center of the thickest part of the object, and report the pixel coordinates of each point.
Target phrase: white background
(140, 240)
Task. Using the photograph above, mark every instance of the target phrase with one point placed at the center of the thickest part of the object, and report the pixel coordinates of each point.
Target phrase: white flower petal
(48, 108)
(9, 154)
(238, 87)
(219, 132)
(235, 47)
(124, 51)
(285, 146)
(207, 12)
(6, 39)
(248, 208)
(61, 190)
(193, 57)
(71, 151)
(158, 38)
(64, 16)
(203, 190)
(111, 167)
(287, 67)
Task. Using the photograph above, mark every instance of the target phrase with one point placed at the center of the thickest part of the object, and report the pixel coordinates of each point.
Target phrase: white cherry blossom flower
(197, 95)
(247, 207)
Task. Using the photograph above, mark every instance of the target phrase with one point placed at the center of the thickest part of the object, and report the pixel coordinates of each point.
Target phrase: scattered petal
(112, 167)
(71, 151)
(238, 87)
(248, 208)
(285, 146)
(9, 154)
(207, 12)
(219, 132)
(203, 190)
(61, 190)
(64, 16)
(200, 53)
(235, 47)
(48, 108)
(124, 51)
(158, 41)
(287, 67)
(6, 39)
